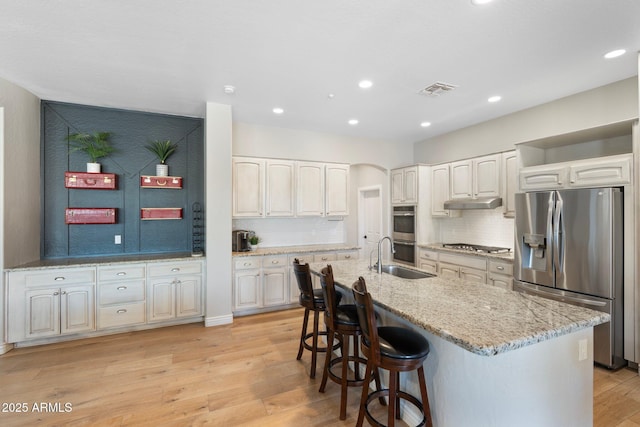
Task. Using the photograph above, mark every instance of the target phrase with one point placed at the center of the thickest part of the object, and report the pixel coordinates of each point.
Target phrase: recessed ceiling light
(229, 90)
(365, 84)
(331, 96)
(480, 2)
(278, 110)
(425, 124)
(353, 122)
(615, 53)
(495, 98)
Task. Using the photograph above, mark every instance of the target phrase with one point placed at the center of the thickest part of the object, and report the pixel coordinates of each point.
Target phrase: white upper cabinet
(280, 186)
(336, 189)
(509, 183)
(440, 190)
(404, 185)
(310, 189)
(248, 187)
(478, 177)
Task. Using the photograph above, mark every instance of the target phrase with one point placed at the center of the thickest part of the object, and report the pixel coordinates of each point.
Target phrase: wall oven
(404, 234)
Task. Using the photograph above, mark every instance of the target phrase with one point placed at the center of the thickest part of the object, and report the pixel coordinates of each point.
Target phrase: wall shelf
(90, 216)
(150, 181)
(90, 181)
(160, 213)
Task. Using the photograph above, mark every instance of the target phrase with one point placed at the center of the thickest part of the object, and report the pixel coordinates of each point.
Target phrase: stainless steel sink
(405, 273)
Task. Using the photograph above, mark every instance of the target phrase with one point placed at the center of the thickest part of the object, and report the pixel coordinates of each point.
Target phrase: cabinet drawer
(303, 258)
(425, 254)
(274, 261)
(60, 277)
(169, 269)
(246, 263)
(466, 261)
(347, 255)
(121, 315)
(121, 292)
(325, 257)
(121, 273)
(501, 268)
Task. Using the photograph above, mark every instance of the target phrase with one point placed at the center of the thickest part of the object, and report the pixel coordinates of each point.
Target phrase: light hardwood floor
(241, 374)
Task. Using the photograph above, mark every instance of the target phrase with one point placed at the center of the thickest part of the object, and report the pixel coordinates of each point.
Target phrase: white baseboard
(4, 348)
(218, 320)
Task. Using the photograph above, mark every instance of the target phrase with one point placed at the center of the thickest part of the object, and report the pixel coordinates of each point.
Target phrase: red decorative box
(90, 216)
(148, 181)
(85, 180)
(160, 213)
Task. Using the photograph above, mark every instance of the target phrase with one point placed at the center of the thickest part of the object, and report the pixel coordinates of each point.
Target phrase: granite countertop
(483, 319)
(103, 260)
(283, 250)
(507, 256)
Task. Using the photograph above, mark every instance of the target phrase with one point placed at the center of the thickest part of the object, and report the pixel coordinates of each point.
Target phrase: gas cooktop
(476, 248)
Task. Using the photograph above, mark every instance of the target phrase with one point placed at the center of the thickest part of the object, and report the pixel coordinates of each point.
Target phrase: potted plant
(253, 242)
(96, 145)
(163, 150)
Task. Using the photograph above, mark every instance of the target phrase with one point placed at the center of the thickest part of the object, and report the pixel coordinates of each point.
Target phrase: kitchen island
(498, 358)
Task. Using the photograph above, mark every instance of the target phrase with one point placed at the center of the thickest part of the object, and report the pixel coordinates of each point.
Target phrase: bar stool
(312, 300)
(341, 322)
(395, 349)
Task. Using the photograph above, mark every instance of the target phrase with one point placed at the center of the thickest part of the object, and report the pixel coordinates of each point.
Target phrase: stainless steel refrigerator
(569, 247)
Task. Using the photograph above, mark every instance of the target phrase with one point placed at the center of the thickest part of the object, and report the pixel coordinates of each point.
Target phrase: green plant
(254, 240)
(162, 149)
(95, 145)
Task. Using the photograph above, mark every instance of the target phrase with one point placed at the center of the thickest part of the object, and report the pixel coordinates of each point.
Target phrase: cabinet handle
(122, 310)
(499, 267)
(275, 262)
(121, 273)
(63, 293)
(247, 264)
(56, 293)
(122, 288)
(59, 278)
(324, 258)
(175, 269)
(347, 256)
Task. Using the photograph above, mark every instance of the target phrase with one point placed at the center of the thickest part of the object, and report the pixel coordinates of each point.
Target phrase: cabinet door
(440, 190)
(397, 188)
(543, 177)
(486, 176)
(274, 282)
(188, 296)
(279, 188)
(310, 189)
(612, 171)
(473, 275)
(337, 190)
(77, 309)
(429, 266)
(509, 183)
(162, 304)
(501, 281)
(462, 179)
(448, 271)
(248, 183)
(43, 313)
(247, 289)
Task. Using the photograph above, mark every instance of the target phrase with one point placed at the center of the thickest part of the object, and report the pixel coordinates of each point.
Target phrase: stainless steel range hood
(481, 203)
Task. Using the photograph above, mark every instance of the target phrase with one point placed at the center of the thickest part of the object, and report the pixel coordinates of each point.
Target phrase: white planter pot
(162, 170)
(93, 167)
(253, 247)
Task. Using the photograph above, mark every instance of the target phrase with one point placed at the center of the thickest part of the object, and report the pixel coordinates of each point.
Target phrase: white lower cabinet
(121, 295)
(428, 260)
(501, 274)
(175, 290)
(469, 268)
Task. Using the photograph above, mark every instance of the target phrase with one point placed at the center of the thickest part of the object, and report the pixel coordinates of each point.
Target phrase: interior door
(370, 216)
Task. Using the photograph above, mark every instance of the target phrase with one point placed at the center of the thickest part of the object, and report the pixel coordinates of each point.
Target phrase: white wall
(219, 280)
(607, 104)
(19, 183)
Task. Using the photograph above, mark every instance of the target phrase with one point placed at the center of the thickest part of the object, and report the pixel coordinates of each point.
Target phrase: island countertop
(480, 318)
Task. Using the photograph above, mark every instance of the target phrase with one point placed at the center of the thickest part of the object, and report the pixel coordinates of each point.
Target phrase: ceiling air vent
(437, 89)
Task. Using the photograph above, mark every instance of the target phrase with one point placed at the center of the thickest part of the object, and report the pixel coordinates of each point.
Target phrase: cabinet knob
(63, 292)
(56, 293)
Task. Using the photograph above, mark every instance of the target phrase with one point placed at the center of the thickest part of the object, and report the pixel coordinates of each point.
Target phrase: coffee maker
(240, 240)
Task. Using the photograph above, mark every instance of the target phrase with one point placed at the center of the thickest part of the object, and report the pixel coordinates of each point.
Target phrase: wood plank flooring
(241, 374)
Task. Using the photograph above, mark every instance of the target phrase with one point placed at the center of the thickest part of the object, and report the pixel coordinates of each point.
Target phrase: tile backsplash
(293, 231)
(481, 227)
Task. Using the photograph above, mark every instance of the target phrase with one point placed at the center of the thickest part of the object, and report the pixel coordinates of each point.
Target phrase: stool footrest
(402, 395)
(308, 346)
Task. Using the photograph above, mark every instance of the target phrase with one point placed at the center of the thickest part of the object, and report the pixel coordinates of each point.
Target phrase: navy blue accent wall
(132, 130)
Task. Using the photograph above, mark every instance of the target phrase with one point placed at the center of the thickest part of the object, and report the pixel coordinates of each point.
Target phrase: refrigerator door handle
(558, 235)
(585, 301)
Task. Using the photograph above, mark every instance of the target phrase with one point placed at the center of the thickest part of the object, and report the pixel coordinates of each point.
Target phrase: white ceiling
(172, 56)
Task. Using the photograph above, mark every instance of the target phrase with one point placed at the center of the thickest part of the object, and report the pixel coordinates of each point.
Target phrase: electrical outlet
(117, 239)
(582, 350)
